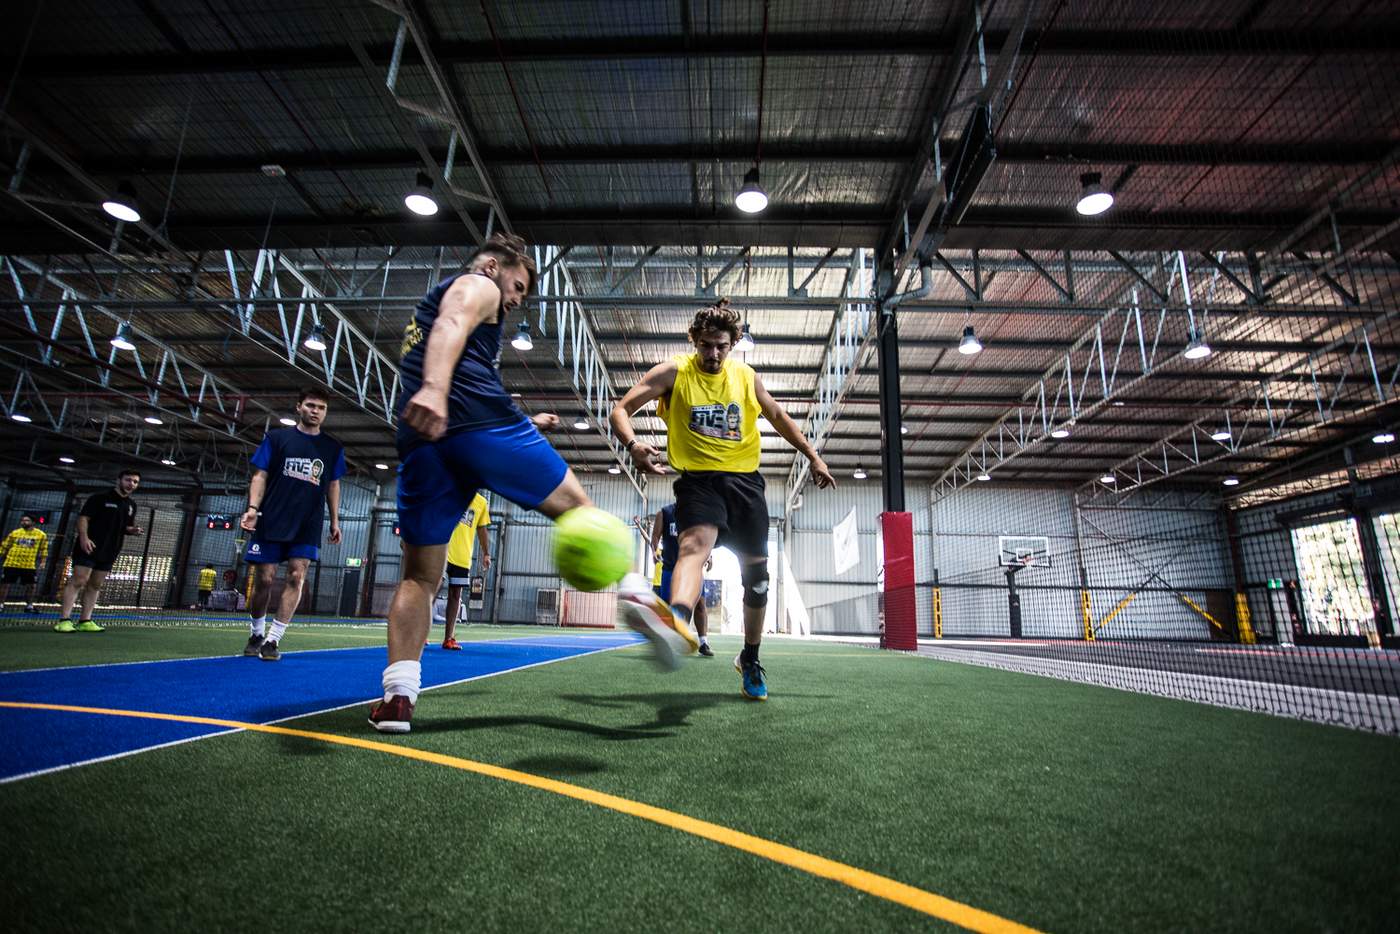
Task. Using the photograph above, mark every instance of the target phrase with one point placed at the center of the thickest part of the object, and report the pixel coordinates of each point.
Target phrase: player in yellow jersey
(469, 532)
(208, 577)
(23, 553)
(711, 404)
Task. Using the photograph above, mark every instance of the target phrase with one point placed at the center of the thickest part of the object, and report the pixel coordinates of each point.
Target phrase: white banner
(845, 538)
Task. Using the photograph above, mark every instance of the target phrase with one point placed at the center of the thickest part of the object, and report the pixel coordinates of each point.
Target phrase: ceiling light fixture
(122, 204)
(65, 459)
(581, 423)
(169, 462)
(123, 339)
(1061, 432)
(751, 198)
(521, 341)
(154, 420)
(289, 422)
(984, 476)
(860, 473)
(1383, 437)
(420, 199)
(614, 469)
(904, 429)
(19, 416)
(1220, 434)
(316, 340)
(1196, 347)
(1231, 481)
(381, 466)
(969, 344)
(745, 343)
(1108, 478)
(1094, 199)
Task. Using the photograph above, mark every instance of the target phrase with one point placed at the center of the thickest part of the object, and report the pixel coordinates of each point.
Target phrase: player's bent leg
(410, 615)
(91, 588)
(753, 572)
(701, 618)
(454, 605)
(569, 494)
(71, 590)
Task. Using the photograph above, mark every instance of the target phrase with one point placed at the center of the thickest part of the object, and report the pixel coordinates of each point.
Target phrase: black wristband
(630, 443)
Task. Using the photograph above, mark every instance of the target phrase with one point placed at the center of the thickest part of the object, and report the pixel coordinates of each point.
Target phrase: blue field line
(229, 688)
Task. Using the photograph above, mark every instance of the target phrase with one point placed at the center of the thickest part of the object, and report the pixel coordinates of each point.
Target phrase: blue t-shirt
(670, 538)
(298, 468)
(476, 399)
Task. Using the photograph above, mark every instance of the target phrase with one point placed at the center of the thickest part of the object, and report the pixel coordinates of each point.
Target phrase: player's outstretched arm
(658, 382)
(782, 423)
(469, 302)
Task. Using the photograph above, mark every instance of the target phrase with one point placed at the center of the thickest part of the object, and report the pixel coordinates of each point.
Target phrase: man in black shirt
(105, 521)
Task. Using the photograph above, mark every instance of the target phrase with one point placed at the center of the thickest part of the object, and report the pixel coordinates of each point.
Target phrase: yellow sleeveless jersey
(207, 577)
(712, 420)
(463, 543)
(25, 549)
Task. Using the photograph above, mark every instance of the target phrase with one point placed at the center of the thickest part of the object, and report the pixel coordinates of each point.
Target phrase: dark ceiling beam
(809, 225)
(1175, 43)
(1338, 152)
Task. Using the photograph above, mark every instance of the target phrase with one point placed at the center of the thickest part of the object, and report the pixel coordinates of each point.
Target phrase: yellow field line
(973, 919)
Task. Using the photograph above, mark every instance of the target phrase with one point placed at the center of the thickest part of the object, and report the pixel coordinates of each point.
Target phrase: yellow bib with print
(712, 419)
(461, 547)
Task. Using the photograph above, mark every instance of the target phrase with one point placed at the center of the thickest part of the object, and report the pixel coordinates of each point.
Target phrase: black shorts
(19, 575)
(732, 502)
(96, 560)
(204, 596)
(457, 575)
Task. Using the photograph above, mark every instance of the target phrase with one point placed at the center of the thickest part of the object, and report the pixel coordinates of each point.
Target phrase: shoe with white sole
(642, 611)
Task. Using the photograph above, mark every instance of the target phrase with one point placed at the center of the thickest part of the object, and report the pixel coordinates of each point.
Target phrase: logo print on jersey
(717, 421)
(412, 337)
(308, 469)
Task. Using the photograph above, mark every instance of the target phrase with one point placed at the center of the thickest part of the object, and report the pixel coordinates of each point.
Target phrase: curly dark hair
(718, 317)
(511, 251)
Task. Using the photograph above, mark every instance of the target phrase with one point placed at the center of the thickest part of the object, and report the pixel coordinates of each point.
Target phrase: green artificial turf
(1062, 806)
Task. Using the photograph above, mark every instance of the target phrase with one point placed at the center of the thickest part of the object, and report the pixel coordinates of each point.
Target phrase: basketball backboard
(1023, 551)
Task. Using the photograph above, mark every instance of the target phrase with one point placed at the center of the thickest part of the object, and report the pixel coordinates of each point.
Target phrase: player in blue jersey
(297, 474)
(458, 432)
(666, 548)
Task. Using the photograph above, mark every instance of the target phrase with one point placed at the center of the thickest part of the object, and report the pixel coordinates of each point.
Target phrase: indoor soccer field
(863, 465)
(557, 780)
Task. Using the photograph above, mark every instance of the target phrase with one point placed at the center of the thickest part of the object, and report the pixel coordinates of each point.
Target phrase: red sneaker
(451, 645)
(391, 716)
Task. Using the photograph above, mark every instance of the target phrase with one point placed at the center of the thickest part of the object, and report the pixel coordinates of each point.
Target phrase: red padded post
(901, 613)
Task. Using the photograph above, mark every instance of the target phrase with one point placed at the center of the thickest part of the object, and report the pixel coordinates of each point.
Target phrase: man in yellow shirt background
(207, 578)
(470, 531)
(22, 554)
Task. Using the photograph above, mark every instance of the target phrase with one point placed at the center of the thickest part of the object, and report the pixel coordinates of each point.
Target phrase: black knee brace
(755, 578)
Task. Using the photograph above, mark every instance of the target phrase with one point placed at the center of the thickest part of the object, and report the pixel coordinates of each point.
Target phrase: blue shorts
(663, 589)
(260, 552)
(438, 479)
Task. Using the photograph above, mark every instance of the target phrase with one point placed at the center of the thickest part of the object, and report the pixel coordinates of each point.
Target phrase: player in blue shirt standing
(298, 472)
(459, 431)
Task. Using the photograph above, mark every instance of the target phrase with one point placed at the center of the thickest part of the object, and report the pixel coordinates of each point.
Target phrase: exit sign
(354, 562)
(1276, 583)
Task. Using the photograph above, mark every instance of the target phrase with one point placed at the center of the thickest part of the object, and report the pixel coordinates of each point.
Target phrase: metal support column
(892, 451)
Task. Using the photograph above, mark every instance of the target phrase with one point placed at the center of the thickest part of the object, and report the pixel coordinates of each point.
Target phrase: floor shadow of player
(673, 709)
(458, 724)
